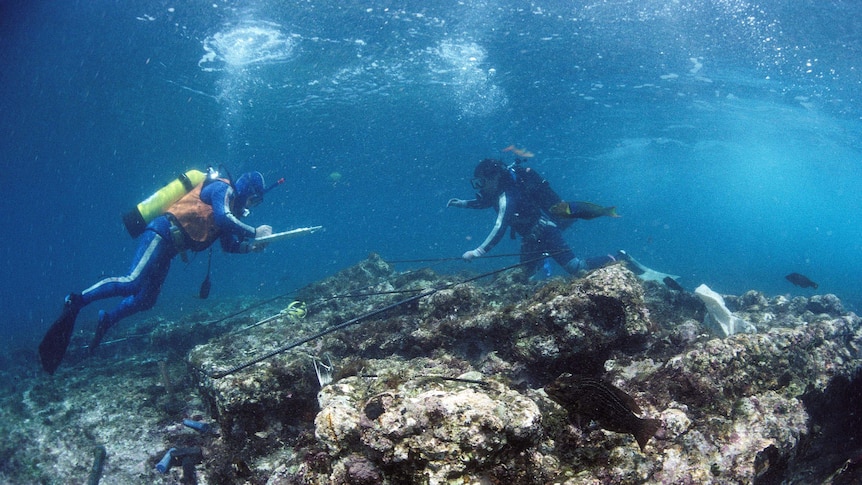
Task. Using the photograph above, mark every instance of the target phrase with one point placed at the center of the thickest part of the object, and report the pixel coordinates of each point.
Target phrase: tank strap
(184, 179)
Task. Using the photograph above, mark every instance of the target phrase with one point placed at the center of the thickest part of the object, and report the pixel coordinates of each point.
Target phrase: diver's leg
(555, 245)
(599, 261)
(129, 284)
(575, 265)
(150, 273)
(531, 253)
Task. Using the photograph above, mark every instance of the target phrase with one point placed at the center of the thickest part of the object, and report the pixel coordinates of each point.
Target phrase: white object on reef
(323, 371)
(718, 316)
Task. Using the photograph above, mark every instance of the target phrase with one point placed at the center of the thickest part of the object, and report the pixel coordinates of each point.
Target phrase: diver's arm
(233, 244)
(220, 198)
(499, 229)
(478, 203)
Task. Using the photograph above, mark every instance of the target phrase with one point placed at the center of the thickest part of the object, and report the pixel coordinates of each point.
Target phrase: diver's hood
(489, 167)
(249, 185)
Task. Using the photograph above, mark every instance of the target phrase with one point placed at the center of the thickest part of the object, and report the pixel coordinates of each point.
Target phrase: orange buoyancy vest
(196, 219)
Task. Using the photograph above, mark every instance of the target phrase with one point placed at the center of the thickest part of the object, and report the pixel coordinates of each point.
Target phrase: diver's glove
(262, 231)
(249, 246)
(459, 203)
(473, 254)
(259, 231)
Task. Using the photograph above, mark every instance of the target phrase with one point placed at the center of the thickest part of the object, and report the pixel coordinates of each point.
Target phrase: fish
(596, 400)
(801, 280)
(521, 152)
(581, 210)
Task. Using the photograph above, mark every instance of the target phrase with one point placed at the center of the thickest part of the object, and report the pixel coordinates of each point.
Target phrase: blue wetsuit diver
(522, 199)
(211, 211)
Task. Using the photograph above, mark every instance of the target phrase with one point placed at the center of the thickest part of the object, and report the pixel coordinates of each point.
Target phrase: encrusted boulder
(424, 428)
(565, 320)
(446, 388)
(727, 400)
(791, 358)
(580, 320)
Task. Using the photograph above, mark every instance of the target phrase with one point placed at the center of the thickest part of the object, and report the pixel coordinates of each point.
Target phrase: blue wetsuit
(156, 249)
(522, 209)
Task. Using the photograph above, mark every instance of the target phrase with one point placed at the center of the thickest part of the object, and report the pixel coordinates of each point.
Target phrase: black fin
(672, 284)
(56, 340)
(646, 430)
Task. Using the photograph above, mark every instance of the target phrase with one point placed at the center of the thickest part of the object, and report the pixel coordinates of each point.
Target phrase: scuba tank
(136, 220)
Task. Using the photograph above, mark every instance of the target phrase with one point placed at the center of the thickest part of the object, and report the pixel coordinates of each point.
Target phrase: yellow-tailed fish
(581, 210)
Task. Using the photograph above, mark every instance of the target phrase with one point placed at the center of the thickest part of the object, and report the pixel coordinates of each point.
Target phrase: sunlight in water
(251, 44)
(239, 53)
(461, 65)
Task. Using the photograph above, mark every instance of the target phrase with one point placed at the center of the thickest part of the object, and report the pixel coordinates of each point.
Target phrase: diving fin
(56, 340)
(649, 274)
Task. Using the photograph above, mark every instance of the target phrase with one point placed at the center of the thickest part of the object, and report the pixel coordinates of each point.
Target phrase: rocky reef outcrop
(432, 381)
(375, 376)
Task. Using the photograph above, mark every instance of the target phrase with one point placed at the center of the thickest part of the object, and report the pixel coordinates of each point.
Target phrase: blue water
(727, 133)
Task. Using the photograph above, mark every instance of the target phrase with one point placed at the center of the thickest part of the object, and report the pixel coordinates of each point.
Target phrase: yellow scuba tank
(136, 220)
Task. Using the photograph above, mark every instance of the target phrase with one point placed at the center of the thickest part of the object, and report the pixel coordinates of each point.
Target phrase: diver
(526, 204)
(210, 211)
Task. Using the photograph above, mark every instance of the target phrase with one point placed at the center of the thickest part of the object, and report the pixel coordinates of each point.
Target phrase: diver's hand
(249, 246)
(460, 203)
(259, 231)
(262, 231)
(473, 254)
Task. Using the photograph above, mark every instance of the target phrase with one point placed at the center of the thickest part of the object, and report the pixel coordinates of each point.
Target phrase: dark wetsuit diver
(211, 211)
(522, 198)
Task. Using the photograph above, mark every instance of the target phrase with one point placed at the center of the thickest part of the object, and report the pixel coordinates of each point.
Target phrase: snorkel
(250, 190)
(257, 198)
(274, 185)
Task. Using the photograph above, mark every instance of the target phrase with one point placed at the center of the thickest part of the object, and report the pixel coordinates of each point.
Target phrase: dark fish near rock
(672, 284)
(801, 280)
(607, 405)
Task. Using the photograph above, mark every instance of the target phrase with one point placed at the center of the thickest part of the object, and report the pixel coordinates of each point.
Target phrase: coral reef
(434, 382)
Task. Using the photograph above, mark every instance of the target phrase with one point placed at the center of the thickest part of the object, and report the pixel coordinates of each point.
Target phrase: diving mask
(253, 200)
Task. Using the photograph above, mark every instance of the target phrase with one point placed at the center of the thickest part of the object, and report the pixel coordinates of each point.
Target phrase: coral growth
(439, 382)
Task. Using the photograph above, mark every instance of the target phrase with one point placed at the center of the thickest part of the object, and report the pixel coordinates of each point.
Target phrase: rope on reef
(297, 343)
(294, 292)
(456, 258)
(357, 320)
(250, 307)
(364, 294)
